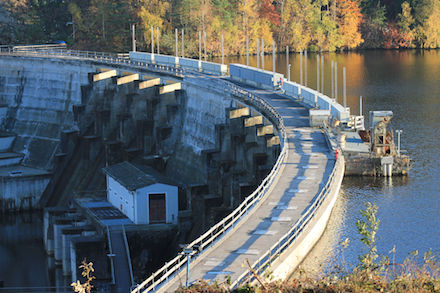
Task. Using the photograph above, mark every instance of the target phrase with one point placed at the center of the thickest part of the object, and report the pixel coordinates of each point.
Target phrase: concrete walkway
(306, 170)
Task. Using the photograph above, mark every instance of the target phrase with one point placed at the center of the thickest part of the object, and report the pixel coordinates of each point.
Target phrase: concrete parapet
(237, 113)
(253, 121)
(167, 60)
(190, 63)
(254, 76)
(273, 141)
(127, 79)
(292, 88)
(265, 130)
(293, 256)
(149, 83)
(142, 57)
(104, 75)
(170, 88)
(214, 68)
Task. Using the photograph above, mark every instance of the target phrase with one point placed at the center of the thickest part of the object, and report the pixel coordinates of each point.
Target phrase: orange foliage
(267, 10)
(350, 18)
(395, 38)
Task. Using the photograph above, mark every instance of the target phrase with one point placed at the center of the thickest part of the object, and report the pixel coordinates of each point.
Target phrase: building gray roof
(134, 176)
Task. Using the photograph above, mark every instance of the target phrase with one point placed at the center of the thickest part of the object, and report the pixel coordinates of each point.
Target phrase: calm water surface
(406, 83)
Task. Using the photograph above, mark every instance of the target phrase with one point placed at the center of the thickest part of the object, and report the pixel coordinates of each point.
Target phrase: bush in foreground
(374, 273)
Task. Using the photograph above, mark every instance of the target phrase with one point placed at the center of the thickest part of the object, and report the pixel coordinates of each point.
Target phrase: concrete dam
(182, 128)
(67, 120)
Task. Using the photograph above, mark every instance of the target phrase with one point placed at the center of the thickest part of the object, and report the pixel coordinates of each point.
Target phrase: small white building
(141, 193)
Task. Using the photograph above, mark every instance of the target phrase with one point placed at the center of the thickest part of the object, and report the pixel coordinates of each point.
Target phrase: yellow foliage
(349, 22)
(431, 28)
(152, 14)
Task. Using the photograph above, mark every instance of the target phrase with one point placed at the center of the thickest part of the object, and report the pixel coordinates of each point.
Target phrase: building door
(157, 208)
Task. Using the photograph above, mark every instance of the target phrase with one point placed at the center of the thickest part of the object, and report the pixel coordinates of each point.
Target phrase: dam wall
(40, 94)
(204, 109)
(123, 112)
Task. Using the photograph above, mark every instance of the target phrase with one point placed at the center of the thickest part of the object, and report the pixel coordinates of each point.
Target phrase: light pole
(398, 141)
(188, 251)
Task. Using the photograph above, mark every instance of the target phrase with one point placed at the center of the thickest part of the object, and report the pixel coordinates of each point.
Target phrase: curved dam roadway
(305, 171)
(307, 168)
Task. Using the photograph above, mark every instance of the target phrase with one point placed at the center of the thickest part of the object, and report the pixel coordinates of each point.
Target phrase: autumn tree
(296, 14)
(322, 26)
(267, 11)
(349, 21)
(373, 23)
(152, 14)
(406, 25)
(427, 23)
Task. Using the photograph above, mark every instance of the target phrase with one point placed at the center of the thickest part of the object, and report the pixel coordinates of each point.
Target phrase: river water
(406, 83)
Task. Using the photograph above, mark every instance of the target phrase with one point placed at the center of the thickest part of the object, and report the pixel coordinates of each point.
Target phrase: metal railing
(127, 251)
(172, 268)
(107, 58)
(293, 234)
(210, 237)
(111, 255)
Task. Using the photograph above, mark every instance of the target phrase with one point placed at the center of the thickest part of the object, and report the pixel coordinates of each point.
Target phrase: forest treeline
(327, 25)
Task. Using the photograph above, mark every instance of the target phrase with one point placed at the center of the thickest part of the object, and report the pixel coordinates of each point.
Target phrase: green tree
(406, 24)
(368, 230)
(373, 24)
(427, 31)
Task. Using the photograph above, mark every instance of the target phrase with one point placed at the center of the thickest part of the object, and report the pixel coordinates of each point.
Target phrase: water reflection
(22, 255)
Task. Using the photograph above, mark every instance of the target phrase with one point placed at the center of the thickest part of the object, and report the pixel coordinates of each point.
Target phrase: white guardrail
(177, 264)
(293, 234)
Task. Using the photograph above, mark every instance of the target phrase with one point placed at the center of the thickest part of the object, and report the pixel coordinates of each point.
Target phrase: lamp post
(398, 141)
(188, 251)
